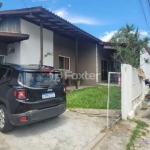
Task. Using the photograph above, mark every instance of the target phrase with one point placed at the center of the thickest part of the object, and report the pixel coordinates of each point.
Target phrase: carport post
(76, 61)
(41, 42)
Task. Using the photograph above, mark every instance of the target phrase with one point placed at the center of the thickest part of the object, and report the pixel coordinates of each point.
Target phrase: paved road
(70, 131)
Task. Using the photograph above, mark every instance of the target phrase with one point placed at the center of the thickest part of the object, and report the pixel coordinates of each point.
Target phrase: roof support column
(76, 61)
(41, 42)
(97, 64)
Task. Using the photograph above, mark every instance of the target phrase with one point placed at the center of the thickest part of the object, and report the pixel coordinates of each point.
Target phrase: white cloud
(144, 33)
(108, 35)
(39, 0)
(73, 18)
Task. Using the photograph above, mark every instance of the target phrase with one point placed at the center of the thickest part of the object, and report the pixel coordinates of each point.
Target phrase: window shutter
(67, 63)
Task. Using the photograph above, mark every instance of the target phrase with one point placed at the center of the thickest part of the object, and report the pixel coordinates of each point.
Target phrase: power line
(142, 8)
(148, 1)
(140, 14)
(24, 3)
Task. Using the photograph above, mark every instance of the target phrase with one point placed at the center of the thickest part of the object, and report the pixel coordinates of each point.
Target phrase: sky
(101, 18)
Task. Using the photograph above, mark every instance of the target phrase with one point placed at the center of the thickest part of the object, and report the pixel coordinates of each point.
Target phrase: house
(145, 55)
(26, 35)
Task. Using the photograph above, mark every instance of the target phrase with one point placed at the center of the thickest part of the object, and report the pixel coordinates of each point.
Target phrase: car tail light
(64, 89)
(20, 94)
(47, 70)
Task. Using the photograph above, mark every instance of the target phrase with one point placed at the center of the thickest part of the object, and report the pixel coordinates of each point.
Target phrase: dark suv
(29, 93)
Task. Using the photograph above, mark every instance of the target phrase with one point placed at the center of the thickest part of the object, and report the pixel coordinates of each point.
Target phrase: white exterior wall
(132, 91)
(30, 49)
(13, 57)
(145, 66)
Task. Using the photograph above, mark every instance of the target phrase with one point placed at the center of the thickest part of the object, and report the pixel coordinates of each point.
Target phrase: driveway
(70, 131)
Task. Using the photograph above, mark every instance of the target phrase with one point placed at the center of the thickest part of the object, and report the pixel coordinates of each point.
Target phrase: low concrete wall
(133, 91)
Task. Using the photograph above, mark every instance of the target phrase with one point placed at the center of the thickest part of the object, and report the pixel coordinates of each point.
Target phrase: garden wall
(133, 91)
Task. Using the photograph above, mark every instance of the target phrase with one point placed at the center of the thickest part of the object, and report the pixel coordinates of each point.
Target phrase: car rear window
(40, 79)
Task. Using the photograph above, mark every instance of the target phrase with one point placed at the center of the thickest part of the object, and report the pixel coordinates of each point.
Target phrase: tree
(1, 4)
(129, 45)
(46, 55)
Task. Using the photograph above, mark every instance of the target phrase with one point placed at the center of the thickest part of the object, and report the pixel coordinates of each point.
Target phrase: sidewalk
(114, 139)
(144, 143)
(118, 137)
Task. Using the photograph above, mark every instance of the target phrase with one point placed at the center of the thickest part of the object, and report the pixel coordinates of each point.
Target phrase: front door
(104, 66)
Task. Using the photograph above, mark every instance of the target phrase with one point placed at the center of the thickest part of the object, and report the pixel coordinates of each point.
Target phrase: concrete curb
(96, 112)
(96, 141)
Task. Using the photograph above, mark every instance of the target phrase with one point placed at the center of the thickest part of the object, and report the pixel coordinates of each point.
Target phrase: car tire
(5, 125)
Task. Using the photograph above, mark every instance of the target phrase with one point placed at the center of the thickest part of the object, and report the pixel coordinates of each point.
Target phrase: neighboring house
(27, 34)
(143, 65)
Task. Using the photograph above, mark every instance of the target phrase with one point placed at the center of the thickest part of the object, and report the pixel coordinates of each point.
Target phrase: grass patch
(141, 124)
(136, 132)
(94, 97)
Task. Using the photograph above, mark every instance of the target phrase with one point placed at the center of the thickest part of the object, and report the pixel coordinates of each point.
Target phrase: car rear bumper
(37, 115)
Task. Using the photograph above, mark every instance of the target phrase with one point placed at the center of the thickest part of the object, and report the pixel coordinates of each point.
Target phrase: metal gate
(114, 98)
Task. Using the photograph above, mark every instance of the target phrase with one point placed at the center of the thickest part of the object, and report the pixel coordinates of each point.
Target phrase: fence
(132, 91)
(114, 98)
(136, 85)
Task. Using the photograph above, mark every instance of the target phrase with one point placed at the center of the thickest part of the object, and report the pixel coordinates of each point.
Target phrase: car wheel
(5, 125)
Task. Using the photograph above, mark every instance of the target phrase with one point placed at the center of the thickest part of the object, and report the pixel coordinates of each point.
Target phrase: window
(64, 62)
(3, 72)
(39, 80)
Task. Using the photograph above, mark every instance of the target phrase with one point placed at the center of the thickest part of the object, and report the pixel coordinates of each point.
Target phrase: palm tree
(129, 45)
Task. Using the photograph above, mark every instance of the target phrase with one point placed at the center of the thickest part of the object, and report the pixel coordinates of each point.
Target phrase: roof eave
(39, 9)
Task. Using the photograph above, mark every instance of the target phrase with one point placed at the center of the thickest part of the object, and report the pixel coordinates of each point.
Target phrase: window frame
(8, 69)
(4, 80)
(64, 61)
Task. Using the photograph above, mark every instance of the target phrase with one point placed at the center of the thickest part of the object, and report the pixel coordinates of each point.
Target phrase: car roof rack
(45, 66)
(29, 66)
(10, 64)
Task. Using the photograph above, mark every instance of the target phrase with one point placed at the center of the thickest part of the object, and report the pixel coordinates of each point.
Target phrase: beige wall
(65, 47)
(87, 61)
(86, 56)
(105, 53)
